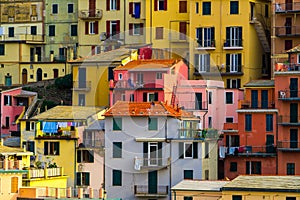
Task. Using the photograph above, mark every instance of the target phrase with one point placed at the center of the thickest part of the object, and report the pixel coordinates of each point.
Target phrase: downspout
(75, 161)
(170, 157)
(151, 21)
(124, 22)
(277, 142)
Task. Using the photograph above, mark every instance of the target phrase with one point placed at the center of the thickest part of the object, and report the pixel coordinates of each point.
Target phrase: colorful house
(91, 76)
(153, 146)
(251, 143)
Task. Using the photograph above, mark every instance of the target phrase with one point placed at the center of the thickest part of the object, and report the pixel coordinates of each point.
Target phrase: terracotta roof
(295, 49)
(147, 64)
(142, 109)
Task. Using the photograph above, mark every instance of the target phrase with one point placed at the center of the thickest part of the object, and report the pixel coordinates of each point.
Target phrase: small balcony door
(153, 154)
(288, 26)
(82, 77)
(294, 87)
(152, 182)
(264, 98)
(270, 144)
(293, 138)
(254, 99)
(294, 112)
(288, 4)
(198, 101)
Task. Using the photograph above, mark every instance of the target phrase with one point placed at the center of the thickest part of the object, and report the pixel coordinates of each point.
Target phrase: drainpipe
(277, 142)
(124, 22)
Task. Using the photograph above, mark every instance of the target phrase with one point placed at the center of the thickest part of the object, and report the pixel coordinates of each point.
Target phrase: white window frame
(92, 27)
(158, 3)
(113, 4)
(158, 75)
(152, 161)
(202, 67)
(234, 62)
(234, 36)
(184, 149)
(231, 84)
(207, 39)
(136, 29)
(120, 76)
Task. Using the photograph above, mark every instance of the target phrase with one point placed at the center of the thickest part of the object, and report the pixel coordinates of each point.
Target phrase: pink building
(14, 103)
(146, 80)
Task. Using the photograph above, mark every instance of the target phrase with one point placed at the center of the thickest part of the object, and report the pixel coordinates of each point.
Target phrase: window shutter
(207, 62)
(96, 27)
(78, 178)
(91, 156)
(165, 5)
(141, 29)
(130, 8)
(155, 5)
(145, 153)
(195, 150)
(56, 147)
(160, 153)
(227, 36)
(196, 62)
(239, 60)
(86, 28)
(156, 96)
(107, 4)
(213, 34)
(107, 29)
(118, 4)
(227, 62)
(87, 179)
(130, 29)
(93, 50)
(240, 35)
(180, 150)
(228, 83)
(238, 83)
(118, 29)
(45, 148)
(144, 96)
(227, 140)
(79, 156)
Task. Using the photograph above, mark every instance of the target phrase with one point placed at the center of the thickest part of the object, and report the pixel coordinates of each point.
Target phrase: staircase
(261, 33)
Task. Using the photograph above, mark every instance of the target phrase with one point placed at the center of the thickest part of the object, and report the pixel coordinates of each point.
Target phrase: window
(33, 30)
(197, 7)
(14, 184)
(160, 4)
(248, 122)
(117, 178)
(152, 124)
(2, 49)
(158, 75)
(210, 97)
(234, 7)
(206, 150)
(29, 145)
(113, 29)
(120, 76)
(202, 62)
(298, 58)
(209, 122)
(74, 30)
(81, 99)
(187, 198)
(51, 148)
(113, 5)
(7, 100)
(131, 98)
(117, 149)
(136, 29)
(233, 62)
(92, 28)
(83, 178)
(135, 9)
(51, 30)
(117, 124)
(290, 168)
(229, 97)
(233, 166)
(229, 119)
(206, 174)
(234, 36)
(54, 8)
(70, 8)
(182, 6)
(6, 122)
(188, 150)
(237, 197)
(290, 198)
(11, 32)
(269, 122)
(85, 156)
(188, 174)
(205, 37)
(206, 8)
(159, 33)
(253, 167)
(266, 10)
(233, 83)
(288, 44)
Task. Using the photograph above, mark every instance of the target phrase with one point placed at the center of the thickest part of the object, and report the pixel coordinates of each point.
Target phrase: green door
(198, 101)
(293, 112)
(152, 182)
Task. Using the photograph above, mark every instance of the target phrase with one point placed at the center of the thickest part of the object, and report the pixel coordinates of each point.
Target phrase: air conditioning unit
(11, 19)
(33, 18)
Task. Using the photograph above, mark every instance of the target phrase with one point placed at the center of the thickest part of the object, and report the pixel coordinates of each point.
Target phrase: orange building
(288, 97)
(250, 144)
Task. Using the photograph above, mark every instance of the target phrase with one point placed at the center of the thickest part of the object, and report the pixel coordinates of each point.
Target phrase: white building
(150, 147)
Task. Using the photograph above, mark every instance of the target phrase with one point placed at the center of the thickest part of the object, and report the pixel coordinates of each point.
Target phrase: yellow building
(262, 187)
(91, 76)
(53, 135)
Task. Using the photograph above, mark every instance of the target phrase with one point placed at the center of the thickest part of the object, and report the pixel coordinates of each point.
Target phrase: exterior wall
(231, 108)
(287, 157)
(5, 179)
(56, 182)
(197, 195)
(253, 195)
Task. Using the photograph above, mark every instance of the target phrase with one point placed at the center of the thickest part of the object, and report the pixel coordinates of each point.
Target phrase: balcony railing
(230, 126)
(150, 163)
(287, 67)
(289, 120)
(287, 31)
(82, 85)
(190, 133)
(93, 143)
(233, 69)
(11, 164)
(63, 135)
(289, 95)
(145, 190)
(233, 44)
(43, 173)
(193, 105)
(206, 44)
(90, 14)
(292, 145)
(287, 7)
(246, 104)
(22, 37)
(128, 84)
(250, 150)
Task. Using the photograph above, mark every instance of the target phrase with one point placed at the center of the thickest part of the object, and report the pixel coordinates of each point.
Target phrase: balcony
(232, 70)
(93, 143)
(64, 135)
(289, 120)
(190, 134)
(206, 44)
(22, 37)
(43, 173)
(269, 150)
(90, 14)
(148, 191)
(128, 84)
(293, 7)
(11, 164)
(289, 95)
(151, 163)
(82, 85)
(290, 67)
(246, 104)
(287, 31)
(233, 44)
(230, 127)
(193, 105)
(288, 146)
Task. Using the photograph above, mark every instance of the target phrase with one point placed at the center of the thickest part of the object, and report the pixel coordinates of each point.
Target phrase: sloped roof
(260, 83)
(60, 113)
(4, 150)
(200, 185)
(140, 109)
(295, 49)
(147, 64)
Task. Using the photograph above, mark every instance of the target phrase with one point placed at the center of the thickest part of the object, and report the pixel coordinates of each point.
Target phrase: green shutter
(91, 156)
(117, 178)
(145, 153)
(159, 153)
(152, 124)
(117, 149)
(117, 124)
(79, 156)
(78, 178)
(87, 178)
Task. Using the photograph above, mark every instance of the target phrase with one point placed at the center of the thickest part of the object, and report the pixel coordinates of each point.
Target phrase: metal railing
(128, 84)
(288, 144)
(90, 14)
(193, 105)
(145, 189)
(150, 162)
(246, 104)
(288, 119)
(206, 44)
(233, 43)
(250, 150)
(233, 69)
(287, 31)
(286, 94)
(99, 143)
(190, 133)
(82, 85)
(287, 67)
(287, 7)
